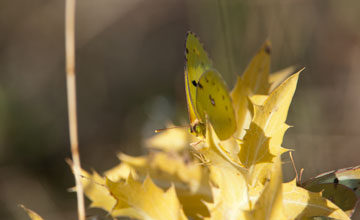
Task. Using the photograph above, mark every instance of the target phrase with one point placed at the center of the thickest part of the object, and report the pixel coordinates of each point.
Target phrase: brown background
(130, 82)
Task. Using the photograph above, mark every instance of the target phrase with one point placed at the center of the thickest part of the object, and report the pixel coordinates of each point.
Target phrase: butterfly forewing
(197, 62)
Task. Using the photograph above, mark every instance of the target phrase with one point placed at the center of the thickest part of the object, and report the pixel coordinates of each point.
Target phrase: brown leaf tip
(267, 47)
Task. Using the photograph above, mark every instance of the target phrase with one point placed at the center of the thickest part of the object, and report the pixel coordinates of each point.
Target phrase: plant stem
(71, 97)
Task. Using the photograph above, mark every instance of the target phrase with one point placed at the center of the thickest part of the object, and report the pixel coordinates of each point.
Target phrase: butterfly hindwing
(213, 100)
(340, 186)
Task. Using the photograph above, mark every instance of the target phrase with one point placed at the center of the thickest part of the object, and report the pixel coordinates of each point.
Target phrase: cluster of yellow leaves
(240, 178)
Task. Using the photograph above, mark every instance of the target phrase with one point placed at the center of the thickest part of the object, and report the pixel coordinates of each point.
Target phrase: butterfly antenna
(226, 35)
(164, 129)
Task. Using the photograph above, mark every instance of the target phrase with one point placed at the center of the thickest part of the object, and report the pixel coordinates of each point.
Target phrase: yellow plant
(238, 178)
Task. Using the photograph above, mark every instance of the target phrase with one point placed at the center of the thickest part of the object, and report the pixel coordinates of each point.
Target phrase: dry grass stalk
(71, 96)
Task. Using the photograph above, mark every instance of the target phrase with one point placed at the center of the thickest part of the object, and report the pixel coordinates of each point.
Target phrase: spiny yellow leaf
(134, 162)
(263, 139)
(230, 194)
(258, 99)
(170, 140)
(256, 75)
(193, 203)
(121, 171)
(148, 201)
(254, 81)
(217, 154)
(190, 179)
(301, 204)
(98, 193)
(255, 147)
(275, 79)
(269, 205)
(239, 97)
(95, 190)
(228, 180)
(273, 113)
(166, 168)
(32, 215)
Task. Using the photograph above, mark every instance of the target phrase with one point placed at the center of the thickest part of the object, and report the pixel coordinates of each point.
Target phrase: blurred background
(130, 81)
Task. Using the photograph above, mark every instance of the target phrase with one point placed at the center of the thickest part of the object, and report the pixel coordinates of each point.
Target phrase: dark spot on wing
(223, 97)
(207, 80)
(213, 83)
(229, 120)
(200, 86)
(226, 108)
(194, 83)
(212, 100)
(187, 51)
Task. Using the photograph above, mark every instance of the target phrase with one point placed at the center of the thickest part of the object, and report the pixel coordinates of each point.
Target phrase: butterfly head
(198, 128)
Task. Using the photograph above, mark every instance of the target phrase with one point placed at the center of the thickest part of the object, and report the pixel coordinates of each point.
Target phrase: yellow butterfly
(206, 93)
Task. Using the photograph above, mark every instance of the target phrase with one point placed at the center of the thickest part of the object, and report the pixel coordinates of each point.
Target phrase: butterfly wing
(197, 62)
(349, 177)
(341, 195)
(340, 186)
(213, 100)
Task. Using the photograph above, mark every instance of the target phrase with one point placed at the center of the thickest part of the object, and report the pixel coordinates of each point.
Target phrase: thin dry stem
(71, 95)
(293, 164)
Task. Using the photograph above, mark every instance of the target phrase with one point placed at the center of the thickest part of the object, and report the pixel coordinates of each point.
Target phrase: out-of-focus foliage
(145, 200)
(32, 215)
